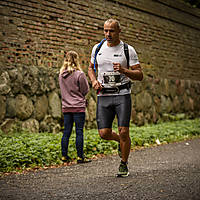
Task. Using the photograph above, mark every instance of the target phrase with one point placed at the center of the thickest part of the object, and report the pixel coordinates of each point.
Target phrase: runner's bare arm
(134, 72)
(95, 84)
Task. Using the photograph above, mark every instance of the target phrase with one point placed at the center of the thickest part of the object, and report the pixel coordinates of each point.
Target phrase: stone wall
(35, 36)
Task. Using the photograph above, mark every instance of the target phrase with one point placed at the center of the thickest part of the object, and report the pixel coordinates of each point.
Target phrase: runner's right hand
(96, 85)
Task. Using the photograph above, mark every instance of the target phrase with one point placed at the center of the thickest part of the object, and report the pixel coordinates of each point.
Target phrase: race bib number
(111, 78)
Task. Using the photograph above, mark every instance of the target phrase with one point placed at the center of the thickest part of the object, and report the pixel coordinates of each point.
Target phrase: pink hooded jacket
(74, 88)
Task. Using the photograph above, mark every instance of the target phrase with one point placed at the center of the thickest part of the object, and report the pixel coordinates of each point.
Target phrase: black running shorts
(109, 106)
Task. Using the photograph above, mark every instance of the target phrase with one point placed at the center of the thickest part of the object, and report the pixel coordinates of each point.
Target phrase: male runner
(114, 89)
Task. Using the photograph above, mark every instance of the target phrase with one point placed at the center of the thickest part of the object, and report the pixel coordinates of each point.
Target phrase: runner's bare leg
(125, 142)
(109, 134)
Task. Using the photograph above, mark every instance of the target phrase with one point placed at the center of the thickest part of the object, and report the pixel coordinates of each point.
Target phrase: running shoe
(83, 160)
(66, 159)
(123, 170)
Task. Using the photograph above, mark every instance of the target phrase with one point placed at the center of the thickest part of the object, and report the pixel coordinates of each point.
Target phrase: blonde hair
(71, 62)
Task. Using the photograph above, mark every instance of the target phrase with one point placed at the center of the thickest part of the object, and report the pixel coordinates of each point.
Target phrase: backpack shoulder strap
(97, 50)
(126, 52)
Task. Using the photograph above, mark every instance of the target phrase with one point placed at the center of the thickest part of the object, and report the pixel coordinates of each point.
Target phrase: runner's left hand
(117, 67)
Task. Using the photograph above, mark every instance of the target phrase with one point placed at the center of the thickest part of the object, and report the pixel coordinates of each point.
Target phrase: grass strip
(19, 151)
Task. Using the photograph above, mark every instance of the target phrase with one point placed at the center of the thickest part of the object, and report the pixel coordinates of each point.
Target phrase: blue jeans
(69, 119)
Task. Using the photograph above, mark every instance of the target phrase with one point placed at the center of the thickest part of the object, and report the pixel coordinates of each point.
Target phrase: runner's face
(111, 32)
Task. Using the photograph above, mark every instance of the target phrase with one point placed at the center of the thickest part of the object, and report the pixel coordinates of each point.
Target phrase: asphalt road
(164, 172)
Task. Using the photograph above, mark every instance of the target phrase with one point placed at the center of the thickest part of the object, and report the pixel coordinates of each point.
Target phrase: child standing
(74, 87)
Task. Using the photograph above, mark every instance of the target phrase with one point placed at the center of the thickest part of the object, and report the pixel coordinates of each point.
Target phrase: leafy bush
(28, 150)
(19, 151)
(165, 132)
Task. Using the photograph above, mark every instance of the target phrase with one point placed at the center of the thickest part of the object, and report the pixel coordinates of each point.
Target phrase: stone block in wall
(188, 103)
(155, 86)
(192, 92)
(166, 104)
(140, 120)
(197, 87)
(2, 107)
(143, 101)
(8, 125)
(24, 107)
(147, 118)
(172, 88)
(136, 87)
(30, 82)
(54, 105)
(176, 104)
(50, 125)
(13, 74)
(144, 85)
(52, 83)
(10, 107)
(191, 104)
(160, 86)
(45, 124)
(23, 79)
(41, 107)
(157, 103)
(155, 115)
(17, 80)
(197, 103)
(4, 83)
(133, 115)
(91, 113)
(47, 80)
(133, 99)
(164, 87)
(32, 125)
(180, 87)
(56, 128)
